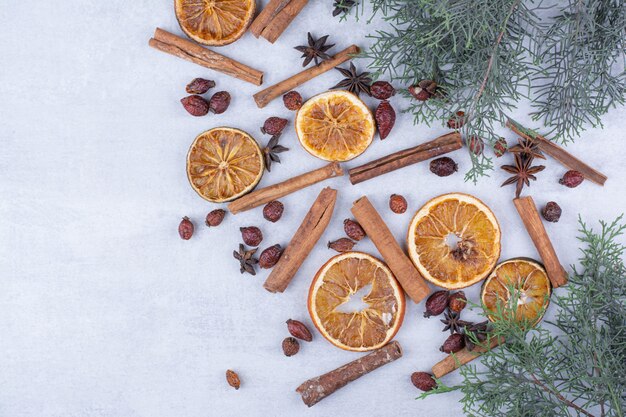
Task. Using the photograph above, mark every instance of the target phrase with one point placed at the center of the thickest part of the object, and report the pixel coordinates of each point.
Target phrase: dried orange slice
(454, 240)
(356, 277)
(223, 164)
(335, 126)
(520, 281)
(214, 22)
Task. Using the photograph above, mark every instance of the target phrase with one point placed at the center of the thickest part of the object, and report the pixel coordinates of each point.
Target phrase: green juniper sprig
(487, 55)
(573, 366)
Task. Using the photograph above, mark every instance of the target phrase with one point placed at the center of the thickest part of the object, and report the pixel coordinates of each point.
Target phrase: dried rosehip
(299, 330)
(500, 147)
(572, 179)
(185, 228)
(428, 85)
(341, 245)
(292, 100)
(385, 118)
(195, 105)
(291, 346)
(273, 211)
(199, 86)
(397, 203)
(270, 256)
(419, 93)
(436, 303)
(215, 217)
(457, 120)
(476, 145)
(274, 126)
(233, 379)
(382, 90)
(219, 102)
(457, 302)
(251, 236)
(443, 166)
(423, 381)
(353, 229)
(551, 212)
(453, 343)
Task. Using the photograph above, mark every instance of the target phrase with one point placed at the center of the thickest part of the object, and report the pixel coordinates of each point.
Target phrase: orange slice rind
(335, 126)
(214, 22)
(349, 276)
(223, 164)
(519, 281)
(454, 240)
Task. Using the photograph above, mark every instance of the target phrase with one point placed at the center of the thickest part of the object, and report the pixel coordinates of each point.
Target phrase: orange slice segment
(454, 240)
(350, 277)
(214, 22)
(521, 281)
(335, 126)
(224, 164)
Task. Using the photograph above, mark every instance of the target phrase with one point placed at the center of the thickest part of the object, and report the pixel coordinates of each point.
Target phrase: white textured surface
(105, 312)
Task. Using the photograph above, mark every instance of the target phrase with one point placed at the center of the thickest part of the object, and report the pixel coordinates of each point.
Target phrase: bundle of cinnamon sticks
(275, 18)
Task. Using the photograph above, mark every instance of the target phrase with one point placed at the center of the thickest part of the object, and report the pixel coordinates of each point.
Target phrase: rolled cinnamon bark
(303, 241)
(316, 389)
(402, 267)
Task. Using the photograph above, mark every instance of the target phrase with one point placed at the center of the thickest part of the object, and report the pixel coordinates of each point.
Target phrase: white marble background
(105, 312)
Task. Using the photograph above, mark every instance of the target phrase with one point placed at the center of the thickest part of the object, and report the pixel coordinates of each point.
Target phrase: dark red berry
(219, 102)
(270, 256)
(385, 117)
(199, 86)
(500, 147)
(453, 343)
(457, 302)
(353, 229)
(274, 126)
(397, 203)
(382, 90)
(292, 100)
(251, 235)
(436, 303)
(215, 217)
(291, 346)
(551, 212)
(572, 179)
(185, 228)
(443, 166)
(273, 211)
(419, 93)
(457, 120)
(341, 245)
(476, 145)
(423, 381)
(195, 105)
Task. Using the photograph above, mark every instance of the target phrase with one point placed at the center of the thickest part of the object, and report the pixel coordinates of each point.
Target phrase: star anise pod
(522, 171)
(271, 151)
(342, 6)
(246, 259)
(453, 322)
(354, 82)
(315, 50)
(479, 330)
(527, 147)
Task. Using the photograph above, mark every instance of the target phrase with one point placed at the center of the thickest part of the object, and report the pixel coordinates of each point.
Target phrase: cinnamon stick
(187, 50)
(316, 389)
(263, 97)
(534, 226)
(264, 18)
(558, 153)
(455, 360)
(302, 242)
(442, 145)
(283, 18)
(399, 263)
(274, 192)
